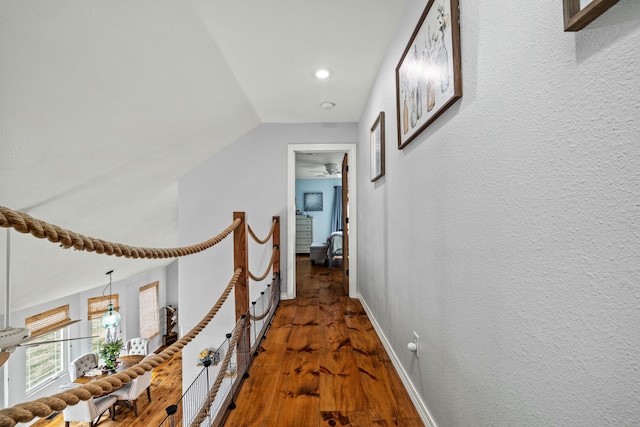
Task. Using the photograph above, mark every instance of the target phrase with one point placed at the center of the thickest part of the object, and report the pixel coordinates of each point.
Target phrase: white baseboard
(408, 385)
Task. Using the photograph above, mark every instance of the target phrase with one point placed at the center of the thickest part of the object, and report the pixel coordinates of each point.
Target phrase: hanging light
(111, 318)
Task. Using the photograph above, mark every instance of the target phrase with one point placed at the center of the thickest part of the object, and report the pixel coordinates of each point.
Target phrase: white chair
(90, 410)
(82, 365)
(130, 392)
(137, 346)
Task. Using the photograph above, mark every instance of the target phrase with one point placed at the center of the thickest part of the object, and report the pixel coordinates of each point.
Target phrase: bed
(334, 248)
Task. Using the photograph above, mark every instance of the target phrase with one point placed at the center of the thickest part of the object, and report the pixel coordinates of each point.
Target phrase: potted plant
(109, 352)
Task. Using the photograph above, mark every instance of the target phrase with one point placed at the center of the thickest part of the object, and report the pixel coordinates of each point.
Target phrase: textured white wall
(506, 234)
(250, 176)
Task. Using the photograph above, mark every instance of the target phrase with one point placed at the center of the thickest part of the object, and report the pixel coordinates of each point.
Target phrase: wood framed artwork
(429, 74)
(313, 202)
(377, 147)
(580, 13)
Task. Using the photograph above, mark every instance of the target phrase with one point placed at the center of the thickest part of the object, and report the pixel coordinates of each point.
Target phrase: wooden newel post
(241, 260)
(276, 248)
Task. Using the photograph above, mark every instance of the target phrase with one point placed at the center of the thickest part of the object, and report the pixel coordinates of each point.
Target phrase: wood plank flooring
(322, 364)
(166, 389)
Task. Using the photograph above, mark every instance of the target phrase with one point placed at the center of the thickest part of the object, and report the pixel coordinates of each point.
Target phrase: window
(149, 318)
(96, 308)
(99, 333)
(46, 361)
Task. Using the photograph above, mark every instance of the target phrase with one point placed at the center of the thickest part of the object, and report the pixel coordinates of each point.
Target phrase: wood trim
(576, 19)
(276, 247)
(241, 260)
(345, 220)
(150, 285)
(241, 291)
(378, 123)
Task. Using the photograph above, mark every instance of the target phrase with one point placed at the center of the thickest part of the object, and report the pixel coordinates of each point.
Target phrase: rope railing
(274, 253)
(220, 401)
(204, 409)
(43, 407)
(25, 223)
(274, 223)
(259, 317)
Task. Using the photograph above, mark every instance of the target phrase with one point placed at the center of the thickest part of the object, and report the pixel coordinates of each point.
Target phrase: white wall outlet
(413, 345)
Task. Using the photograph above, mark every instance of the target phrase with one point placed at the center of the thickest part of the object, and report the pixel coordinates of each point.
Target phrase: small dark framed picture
(377, 147)
(312, 202)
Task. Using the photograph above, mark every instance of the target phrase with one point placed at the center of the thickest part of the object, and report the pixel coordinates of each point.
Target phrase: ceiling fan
(331, 169)
(10, 337)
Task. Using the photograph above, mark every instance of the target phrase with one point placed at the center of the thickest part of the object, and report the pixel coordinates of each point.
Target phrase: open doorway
(313, 158)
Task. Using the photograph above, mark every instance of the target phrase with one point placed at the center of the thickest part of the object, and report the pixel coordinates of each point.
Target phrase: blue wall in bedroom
(321, 219)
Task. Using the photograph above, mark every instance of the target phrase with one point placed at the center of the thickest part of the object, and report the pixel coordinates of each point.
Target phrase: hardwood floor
(322, 364)
(166, 389)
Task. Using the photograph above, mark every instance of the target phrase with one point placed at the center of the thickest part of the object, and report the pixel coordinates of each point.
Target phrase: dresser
(304, 234)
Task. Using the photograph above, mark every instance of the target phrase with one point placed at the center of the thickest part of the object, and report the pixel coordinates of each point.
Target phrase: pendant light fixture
(111, 318)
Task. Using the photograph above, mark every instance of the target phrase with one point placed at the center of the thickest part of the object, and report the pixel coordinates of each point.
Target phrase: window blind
(99, 305)
(149, 318)
(49, 321)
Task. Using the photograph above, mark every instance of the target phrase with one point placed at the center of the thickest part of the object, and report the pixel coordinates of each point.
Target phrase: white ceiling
(319, 165)
(105, 105)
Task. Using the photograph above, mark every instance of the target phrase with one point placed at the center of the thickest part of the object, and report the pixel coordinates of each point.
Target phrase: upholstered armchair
(82, 365)
(130, 392)
(89, 410)
(137, 346)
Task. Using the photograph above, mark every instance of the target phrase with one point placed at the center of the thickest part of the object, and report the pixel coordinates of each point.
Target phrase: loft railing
(241, 342)
(230, 375)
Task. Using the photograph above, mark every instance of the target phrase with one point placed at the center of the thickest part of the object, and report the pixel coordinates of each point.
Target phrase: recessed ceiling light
(322, 73)
(327, 105)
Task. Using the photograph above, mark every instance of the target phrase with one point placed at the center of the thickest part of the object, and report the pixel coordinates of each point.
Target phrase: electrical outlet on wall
(413, 345)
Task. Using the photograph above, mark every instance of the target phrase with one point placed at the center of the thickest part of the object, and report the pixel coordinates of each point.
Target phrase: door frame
(290, 291)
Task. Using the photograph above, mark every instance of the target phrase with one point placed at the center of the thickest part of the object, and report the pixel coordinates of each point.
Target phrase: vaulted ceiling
(105, 105)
